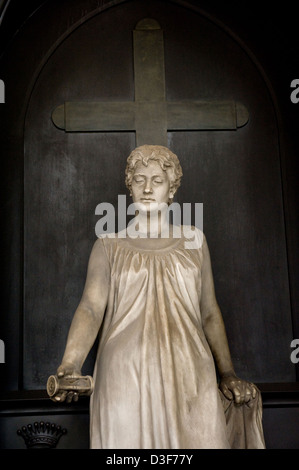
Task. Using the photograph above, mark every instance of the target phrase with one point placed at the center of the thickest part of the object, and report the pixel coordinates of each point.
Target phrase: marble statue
(162, 336)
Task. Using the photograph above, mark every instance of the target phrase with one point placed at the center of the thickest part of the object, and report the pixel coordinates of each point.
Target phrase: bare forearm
(81, 337)
(216, 336)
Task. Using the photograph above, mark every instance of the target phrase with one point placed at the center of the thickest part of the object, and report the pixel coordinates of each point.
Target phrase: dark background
(52, 181)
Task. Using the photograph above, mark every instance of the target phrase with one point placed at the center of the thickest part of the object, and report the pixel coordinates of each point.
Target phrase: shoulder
(106, 244)
(100, 248)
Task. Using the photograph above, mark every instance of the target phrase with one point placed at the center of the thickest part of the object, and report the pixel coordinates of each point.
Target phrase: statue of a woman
(162, 332)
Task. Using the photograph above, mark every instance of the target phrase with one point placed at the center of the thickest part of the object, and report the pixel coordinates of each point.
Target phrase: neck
(152, 223)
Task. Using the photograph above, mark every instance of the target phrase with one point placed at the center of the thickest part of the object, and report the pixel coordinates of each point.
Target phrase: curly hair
(168, 161)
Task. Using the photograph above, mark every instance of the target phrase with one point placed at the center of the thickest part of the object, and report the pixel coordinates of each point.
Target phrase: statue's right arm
(89, 313)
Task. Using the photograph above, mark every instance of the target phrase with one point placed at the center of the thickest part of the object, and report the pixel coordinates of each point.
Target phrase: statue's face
(150, 184)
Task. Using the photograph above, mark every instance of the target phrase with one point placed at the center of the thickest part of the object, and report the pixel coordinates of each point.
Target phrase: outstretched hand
(239, 390)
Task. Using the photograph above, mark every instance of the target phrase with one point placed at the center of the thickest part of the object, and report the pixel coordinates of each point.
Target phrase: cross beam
(150, 115)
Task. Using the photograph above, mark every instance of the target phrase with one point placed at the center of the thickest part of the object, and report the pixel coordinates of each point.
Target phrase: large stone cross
(150, 115)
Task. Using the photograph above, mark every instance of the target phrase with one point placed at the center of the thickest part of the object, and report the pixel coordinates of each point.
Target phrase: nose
(148, 187)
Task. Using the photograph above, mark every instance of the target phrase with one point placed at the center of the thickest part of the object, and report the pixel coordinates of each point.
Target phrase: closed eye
(138, 179)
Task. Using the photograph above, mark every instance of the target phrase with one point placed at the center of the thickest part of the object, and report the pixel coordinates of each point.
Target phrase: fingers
(226, 391)
(66, 396)
(66, 372)
(67, 368)
(238, 390)
(61, 396)
(72, 396)
(248, 395)
(243, 392)
(61, 371)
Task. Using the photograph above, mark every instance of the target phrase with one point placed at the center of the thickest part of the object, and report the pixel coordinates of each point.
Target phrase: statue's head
(146, 163)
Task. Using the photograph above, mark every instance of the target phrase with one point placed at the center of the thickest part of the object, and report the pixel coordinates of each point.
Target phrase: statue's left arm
(213, 325)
